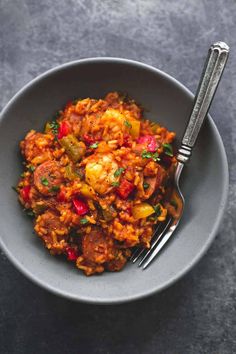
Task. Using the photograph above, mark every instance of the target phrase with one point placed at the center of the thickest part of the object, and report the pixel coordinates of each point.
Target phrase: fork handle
(214, 67)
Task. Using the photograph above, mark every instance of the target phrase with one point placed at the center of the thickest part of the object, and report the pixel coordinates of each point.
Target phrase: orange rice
(97, 181)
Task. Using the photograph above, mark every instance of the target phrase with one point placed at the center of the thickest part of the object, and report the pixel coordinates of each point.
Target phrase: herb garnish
(54, 126)
(157, 209)
(57, 115)
(54, 189)
(124, 97)
(15, 189)
(30, 213)
(152, 218)
(94, 146)
(146, 154)
(174, 203)
(115, 184)
(119, 171)
(168, 150)
(84, 221)
(44, 181)
(146, 185)
(127, 124)
(31, 168)
(150, 155)
(155, 157)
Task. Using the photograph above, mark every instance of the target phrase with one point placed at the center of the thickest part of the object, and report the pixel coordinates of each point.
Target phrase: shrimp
(99, 172)
(114, 123)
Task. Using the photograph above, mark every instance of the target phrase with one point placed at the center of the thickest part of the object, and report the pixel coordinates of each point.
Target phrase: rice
(97, 181)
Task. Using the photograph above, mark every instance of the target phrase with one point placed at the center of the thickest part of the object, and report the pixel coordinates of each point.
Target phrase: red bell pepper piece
(80, 206)
(25, 191)
(61, 197)
(150, 141)
(63, 130)
(71, 254)
(125, 188)
(88, 139)
(127, 141)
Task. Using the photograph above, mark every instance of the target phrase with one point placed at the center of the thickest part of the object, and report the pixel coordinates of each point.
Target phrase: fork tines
(146, 254)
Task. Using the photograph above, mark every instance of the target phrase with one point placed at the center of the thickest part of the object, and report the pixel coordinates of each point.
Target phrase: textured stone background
(196, 315)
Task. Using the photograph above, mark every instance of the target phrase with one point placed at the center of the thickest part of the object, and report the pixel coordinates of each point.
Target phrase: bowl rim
(222, 205)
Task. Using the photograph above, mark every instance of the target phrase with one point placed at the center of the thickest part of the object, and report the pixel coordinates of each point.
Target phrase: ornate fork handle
(215, 63)
(214, 67)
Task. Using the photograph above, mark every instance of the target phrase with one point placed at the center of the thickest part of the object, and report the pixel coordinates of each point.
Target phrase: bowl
(204, 181)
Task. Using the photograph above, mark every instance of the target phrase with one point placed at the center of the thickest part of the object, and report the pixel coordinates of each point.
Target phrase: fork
(212, 72)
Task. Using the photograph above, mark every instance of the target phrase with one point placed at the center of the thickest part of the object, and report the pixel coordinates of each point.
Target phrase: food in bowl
(97, 181)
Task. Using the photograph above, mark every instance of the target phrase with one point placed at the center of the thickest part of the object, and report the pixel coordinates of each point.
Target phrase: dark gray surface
(168, 102)
(196, 315)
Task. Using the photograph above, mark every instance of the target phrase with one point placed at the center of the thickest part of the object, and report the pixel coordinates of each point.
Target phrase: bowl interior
(204, 180)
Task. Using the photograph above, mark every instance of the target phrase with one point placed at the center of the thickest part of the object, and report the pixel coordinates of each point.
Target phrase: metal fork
(213, 70)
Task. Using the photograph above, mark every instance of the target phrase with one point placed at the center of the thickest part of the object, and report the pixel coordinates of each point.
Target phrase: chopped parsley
(31, 168)
(150, 155)
(152, 218)
(127, 124)
(57, 115)
(84, 221)
(54, 126)
(174, 203)
(146, 185)
(30, 213)
(115, 184)
(168, 150)
(119, 171)
(54, 189)
(146, 154)
(155, 157)
(44, 181)
(94, 146)
(157, 209)
(15, 189)
(124, 97)
(74, 102)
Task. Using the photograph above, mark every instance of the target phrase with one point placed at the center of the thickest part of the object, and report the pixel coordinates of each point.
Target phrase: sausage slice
(52, 231)
(48, 177)
(97, 247)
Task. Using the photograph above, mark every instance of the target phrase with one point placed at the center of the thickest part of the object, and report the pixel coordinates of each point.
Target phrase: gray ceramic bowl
(204, 181)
